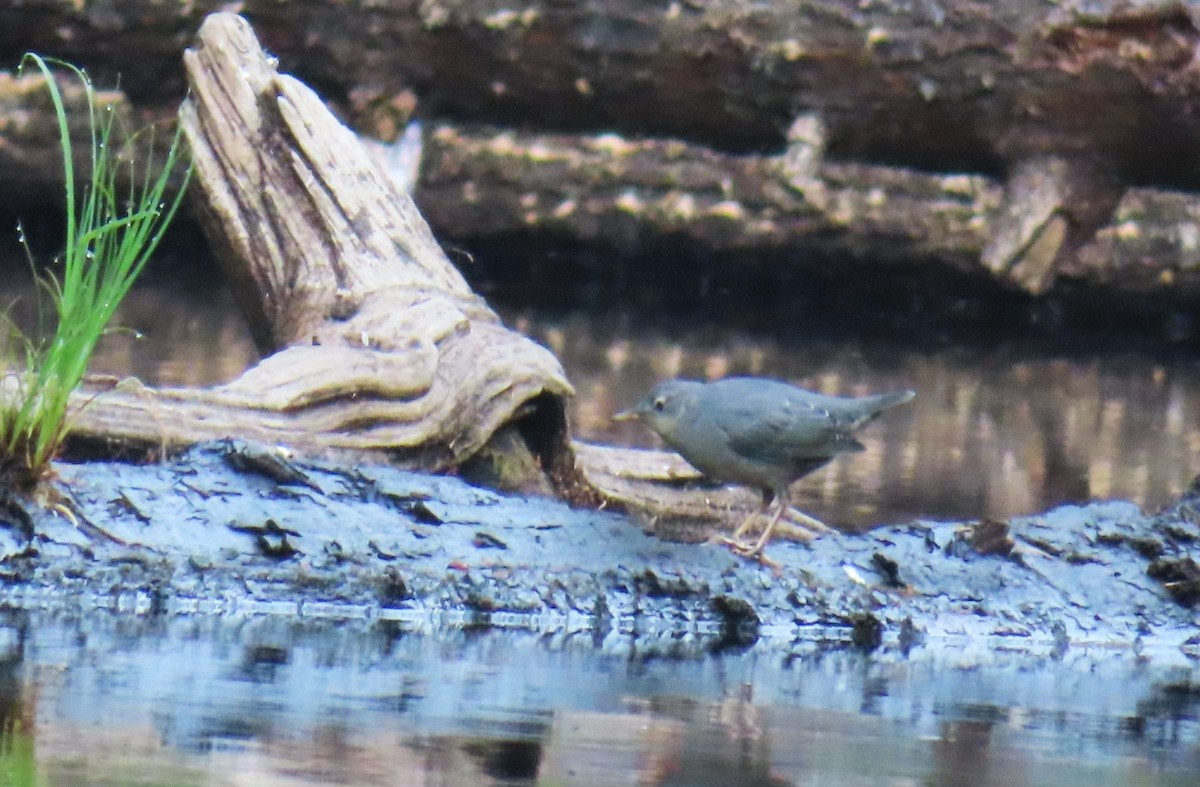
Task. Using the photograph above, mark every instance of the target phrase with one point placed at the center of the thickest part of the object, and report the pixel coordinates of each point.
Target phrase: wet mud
(218, 530)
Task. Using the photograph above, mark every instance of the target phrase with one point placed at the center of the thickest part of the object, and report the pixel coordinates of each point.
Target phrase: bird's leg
(744, 528)
(756, 550)
(735, 541)
(781, 503)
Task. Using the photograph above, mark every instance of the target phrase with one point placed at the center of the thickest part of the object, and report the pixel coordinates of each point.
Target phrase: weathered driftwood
(378, 343)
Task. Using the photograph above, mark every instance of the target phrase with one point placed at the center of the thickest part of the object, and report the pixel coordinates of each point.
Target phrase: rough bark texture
(1055, 218)
(949, 81)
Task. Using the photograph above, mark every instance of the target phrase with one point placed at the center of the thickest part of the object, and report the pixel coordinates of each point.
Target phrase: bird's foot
(747, 550)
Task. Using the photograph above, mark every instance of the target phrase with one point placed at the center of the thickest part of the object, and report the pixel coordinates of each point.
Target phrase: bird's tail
(869, 407)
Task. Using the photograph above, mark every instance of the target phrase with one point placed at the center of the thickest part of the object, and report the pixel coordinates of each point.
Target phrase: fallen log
(604, 190)
(622, 193)
(978, 84)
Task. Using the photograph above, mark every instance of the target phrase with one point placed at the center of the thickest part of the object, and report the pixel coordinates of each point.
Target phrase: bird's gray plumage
(755, 431)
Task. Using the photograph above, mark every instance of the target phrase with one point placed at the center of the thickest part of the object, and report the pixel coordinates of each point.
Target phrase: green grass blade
(107, 245)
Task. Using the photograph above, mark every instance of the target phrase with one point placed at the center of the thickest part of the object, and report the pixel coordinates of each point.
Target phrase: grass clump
(111, 231)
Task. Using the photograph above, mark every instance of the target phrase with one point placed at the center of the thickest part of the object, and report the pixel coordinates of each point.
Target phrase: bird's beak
(626, 415)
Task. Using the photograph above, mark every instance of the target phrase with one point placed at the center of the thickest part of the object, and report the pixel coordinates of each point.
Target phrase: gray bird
(758, 432)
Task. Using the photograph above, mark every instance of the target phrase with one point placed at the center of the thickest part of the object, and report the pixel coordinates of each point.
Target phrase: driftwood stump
(376, 343)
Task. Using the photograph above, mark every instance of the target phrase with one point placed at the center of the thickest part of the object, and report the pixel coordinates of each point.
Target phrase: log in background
(950, 84)
(1060, 106)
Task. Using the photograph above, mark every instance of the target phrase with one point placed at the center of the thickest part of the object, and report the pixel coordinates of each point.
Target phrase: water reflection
(103, 699)
(178, 327)
(993, 432)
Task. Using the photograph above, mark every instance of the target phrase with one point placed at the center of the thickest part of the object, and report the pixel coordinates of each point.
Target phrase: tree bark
(1055, 219)
(952, 83)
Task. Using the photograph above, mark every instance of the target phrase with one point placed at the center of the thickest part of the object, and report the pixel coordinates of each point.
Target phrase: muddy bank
(213, 532)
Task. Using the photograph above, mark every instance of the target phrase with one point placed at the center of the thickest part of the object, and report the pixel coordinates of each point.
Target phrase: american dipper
(757, 432)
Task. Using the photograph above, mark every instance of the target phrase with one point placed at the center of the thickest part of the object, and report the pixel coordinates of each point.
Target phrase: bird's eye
(660, 404)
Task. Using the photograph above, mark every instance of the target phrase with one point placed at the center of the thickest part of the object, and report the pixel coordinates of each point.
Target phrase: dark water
(117, 699)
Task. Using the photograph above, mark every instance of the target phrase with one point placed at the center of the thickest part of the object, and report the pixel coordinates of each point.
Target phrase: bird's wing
(775, 429)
